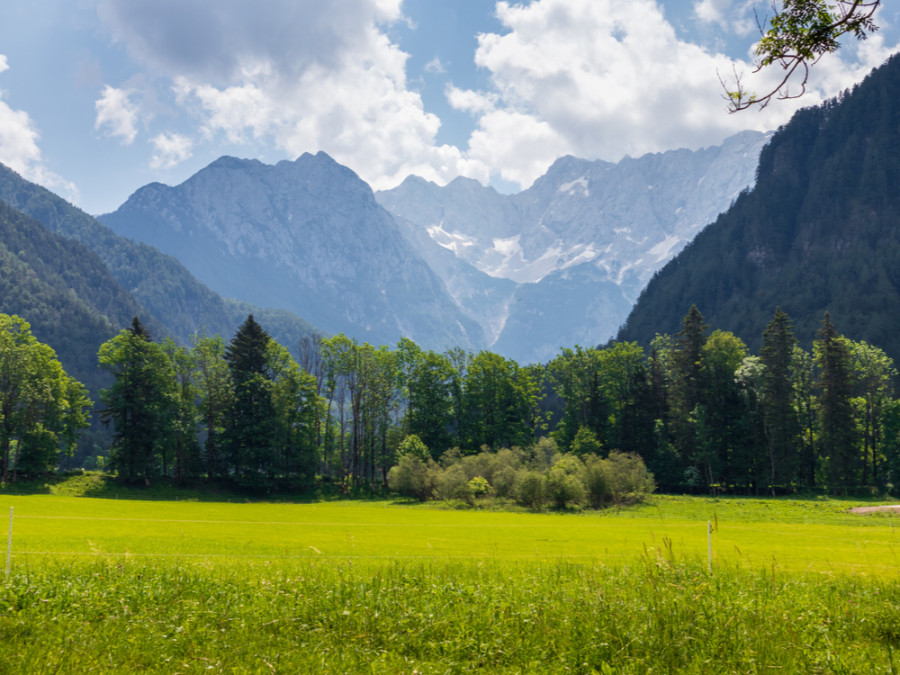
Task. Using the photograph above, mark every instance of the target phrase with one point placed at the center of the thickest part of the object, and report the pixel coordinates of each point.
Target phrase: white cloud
(117, 114)
(435, 67)
(712, 11)
(593, 78)
(469, 101)
(742, 18)
(301, 75)
(601, 79)
(19, 149)
(170, 149)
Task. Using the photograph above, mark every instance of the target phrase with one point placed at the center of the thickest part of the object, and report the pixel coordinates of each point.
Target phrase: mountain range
(811, 227)
(460, 265)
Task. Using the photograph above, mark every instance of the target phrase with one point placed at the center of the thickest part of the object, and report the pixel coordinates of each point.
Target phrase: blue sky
(99, 97)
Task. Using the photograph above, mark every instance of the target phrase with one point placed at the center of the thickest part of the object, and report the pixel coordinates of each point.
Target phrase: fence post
(709, 543)
(9, 541)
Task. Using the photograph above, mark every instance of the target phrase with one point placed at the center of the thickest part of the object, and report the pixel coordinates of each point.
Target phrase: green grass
(106, 585)
(792, 535)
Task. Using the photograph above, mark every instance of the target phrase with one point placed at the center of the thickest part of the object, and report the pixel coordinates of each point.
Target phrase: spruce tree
(837, 423)
(685, 388)
(139, 404)
(248, 435)
(779, 415)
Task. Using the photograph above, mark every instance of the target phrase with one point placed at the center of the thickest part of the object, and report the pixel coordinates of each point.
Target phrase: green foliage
(478, 487)
(526, 477)
(250, 433)
(412, 477)
(837, 435)
(564, 485)
(585, 443)
(63, 290)
(413, 445)
(799, 34)
(141, 403)
(41, 407)
(531, 489)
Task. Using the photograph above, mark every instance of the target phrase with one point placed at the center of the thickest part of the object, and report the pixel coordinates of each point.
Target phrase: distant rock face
(462, 265)
(306, 236)
(587, 236)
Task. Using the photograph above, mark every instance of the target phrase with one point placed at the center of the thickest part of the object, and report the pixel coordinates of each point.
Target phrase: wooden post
(9, 541)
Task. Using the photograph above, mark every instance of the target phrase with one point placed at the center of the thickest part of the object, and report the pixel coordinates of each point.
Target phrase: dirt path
(874, 509)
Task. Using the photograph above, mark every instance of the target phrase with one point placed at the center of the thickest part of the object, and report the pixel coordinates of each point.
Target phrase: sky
(101, 97)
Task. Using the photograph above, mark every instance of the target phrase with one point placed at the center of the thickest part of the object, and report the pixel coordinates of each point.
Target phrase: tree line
(699, 410)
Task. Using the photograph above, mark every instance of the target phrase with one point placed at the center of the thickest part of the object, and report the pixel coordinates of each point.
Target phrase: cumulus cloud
(603, 79)
(117, 114)
(19, 149)
(170, 149)
(299, 74)
(593, 78)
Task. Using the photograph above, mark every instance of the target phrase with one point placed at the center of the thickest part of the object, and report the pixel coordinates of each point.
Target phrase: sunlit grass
(812, 536)
(105, 585)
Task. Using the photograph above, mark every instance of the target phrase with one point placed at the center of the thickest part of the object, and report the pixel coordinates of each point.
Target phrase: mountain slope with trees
(64, 291)
(173, 302)
(818, 232)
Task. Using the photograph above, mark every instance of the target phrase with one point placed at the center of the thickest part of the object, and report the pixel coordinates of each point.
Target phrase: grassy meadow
(116, 585)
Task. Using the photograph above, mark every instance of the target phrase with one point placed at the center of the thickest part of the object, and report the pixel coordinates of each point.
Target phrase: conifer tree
(837, 422)
(779, 416)
(685, 385)
(249, 433)
(140, 402)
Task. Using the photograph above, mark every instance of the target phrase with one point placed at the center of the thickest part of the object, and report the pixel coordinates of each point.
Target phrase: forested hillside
(167, 292)
(820, 231)
(64, 291)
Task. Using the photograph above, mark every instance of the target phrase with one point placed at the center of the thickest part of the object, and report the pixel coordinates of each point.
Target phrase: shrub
(451, 483)
(585, 442)
(412, 477)
(504, 481)
(630, 479)
(543, 452)
(564, 488)
(530, 489)
(478, 487)
(597, 481)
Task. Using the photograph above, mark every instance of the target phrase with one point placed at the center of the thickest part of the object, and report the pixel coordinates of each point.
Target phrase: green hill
(159, 284)
(64, 291)
(820, 231)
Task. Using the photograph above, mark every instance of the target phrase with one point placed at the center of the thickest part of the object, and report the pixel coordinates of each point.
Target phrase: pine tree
(779, 417)
(837, 422)
(685, 386)
(249, 432)
(140, 402)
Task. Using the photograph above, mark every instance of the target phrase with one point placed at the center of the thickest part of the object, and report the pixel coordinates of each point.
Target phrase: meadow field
(118, 585)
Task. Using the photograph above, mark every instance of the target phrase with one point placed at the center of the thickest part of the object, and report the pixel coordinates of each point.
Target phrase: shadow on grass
(97, 485)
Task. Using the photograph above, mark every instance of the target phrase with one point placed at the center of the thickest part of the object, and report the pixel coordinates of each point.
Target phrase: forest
(699, 411)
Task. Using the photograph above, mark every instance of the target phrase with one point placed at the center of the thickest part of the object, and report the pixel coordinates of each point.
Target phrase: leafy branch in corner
(800, 34)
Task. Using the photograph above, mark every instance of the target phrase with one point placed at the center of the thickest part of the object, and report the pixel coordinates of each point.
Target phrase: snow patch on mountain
(585, 226)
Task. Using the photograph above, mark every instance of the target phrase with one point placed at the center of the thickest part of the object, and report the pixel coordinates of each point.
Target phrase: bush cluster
(536, 477)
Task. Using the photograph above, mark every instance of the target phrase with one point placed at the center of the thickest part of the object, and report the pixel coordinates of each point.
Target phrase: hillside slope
(820, 231)
(173, 302)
